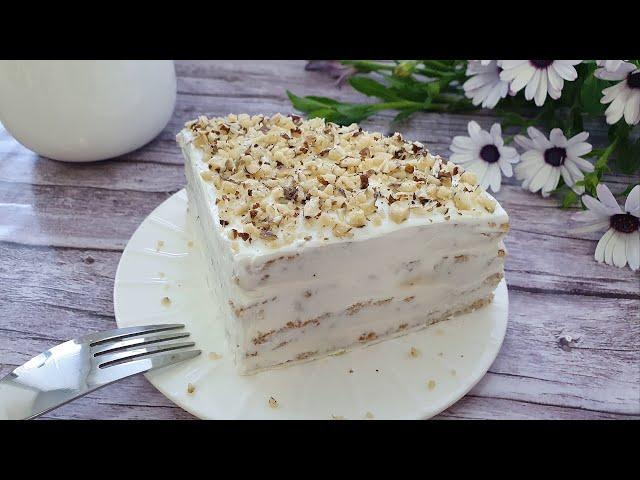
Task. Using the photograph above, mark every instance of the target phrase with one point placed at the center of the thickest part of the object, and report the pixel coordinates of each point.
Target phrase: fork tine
(144, 364)
(103, 348)
(110, 359)
(120, 333)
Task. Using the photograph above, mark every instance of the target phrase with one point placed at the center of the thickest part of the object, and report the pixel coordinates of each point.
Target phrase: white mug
(86, 110)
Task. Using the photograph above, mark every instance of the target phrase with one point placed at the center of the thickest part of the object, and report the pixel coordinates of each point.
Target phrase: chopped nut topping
(278, 176)
(273, 403)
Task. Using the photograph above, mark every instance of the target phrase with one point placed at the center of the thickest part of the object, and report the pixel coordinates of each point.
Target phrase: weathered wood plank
(84, 217)
(598, 376)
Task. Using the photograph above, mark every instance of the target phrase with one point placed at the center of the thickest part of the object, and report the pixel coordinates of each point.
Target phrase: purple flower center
(490, 154)
(624, 222)
(633, 80)
(555, 156)
(541, 64)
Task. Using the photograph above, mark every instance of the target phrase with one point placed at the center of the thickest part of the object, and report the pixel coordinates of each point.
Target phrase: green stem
(368, 66)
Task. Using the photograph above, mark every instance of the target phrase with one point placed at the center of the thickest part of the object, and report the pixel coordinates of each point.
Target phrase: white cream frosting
(414, 270)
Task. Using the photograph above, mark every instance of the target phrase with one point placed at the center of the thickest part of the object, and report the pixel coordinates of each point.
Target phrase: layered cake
(319, 238)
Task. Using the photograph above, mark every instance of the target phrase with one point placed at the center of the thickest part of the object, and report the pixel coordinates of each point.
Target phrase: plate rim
(425, 413)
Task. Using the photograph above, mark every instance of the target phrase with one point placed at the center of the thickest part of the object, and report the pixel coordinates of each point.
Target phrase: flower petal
(540, 178)
(463, 143)
(607, 198)
(632, 205)
(541, 91)
(579, 149)
(579, 138)
(506, 167)
(474, 131)
(524, 142)
(479, 168)
(615, 111)
(462, 158)
(565, 69)
(608, 250)
(598, 207)
(592, 227)
(538, 138)
(581, 163)
(557, 138)
(552, 182)
(633, 250)
(496, 131)
(532, 85)
(619, 255)
(494, 177)
(602, 245)
(632, 109)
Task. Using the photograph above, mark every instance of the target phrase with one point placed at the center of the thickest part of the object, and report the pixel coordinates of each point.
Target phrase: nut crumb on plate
(414, 352)
(191, 388)
(431, 384)
(273, 403)
(166, 301)
(214, 356)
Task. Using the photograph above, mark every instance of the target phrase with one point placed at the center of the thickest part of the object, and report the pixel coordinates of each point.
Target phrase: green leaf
(628, 156)
(355, 111)
(627, 190)
(372, 88)
(569, 199)
(433, 89)
(409, 89)
(308, 104)
(323, 100)
(404, 114)
(590, 96)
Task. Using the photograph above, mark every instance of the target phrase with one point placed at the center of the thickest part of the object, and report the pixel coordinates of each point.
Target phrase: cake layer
(363, 323)
(304, 260)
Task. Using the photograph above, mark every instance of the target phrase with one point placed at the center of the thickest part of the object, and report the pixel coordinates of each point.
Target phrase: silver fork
(77, 367)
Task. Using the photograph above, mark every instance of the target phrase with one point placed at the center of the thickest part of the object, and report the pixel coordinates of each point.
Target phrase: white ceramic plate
(379, 381)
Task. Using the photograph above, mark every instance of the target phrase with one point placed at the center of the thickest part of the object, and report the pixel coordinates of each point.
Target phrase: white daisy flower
(540, 77)
(621, 242)
(485, 85)
(484, 154)
(608, 65)
(624, 96)
(546, 159)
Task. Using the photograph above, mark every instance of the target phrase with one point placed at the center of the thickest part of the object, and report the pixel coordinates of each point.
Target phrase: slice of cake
(320, 238)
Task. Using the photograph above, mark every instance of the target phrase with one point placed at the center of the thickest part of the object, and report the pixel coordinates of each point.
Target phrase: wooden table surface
(63, 228)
